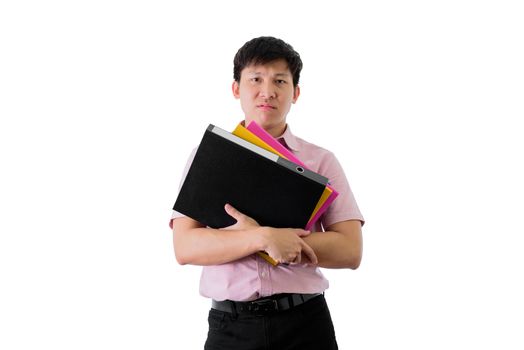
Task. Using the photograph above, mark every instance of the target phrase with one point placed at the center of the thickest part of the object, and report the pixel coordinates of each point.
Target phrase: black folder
(227, 169)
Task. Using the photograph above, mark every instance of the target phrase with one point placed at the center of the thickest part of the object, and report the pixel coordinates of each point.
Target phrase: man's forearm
(197, 245)
(336, 249)
(206, 246)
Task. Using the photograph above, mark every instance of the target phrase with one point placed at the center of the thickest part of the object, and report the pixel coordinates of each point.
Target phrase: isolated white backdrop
(102, 101)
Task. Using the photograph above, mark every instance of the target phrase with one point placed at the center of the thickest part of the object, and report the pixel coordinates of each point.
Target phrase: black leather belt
(274, 303)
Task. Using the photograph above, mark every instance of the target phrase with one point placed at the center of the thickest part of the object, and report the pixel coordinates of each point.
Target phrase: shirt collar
(289, 139)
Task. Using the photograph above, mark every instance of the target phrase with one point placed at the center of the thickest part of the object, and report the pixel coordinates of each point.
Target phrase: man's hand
(284, 245)
(244, 222)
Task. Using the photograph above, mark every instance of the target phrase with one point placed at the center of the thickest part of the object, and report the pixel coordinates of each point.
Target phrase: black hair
(266, 49)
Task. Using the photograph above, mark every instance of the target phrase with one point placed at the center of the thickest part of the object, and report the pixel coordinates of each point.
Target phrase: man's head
(266, 73)
(265, 49)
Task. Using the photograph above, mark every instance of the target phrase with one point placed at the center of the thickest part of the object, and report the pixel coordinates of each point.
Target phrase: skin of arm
(197, 245)
(340, 246)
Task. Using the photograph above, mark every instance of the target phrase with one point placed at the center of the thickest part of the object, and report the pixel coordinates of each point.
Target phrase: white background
(102, 101)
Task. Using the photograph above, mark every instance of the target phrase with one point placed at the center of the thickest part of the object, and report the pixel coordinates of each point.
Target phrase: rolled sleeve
(175, 214)
(344, 207)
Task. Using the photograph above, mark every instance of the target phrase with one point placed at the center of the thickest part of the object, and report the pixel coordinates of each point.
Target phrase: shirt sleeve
(175, 214)
(344, 207)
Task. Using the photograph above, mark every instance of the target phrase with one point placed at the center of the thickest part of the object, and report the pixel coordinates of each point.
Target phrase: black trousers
(304, 327)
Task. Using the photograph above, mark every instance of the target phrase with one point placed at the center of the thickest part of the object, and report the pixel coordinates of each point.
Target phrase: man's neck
(276, 131)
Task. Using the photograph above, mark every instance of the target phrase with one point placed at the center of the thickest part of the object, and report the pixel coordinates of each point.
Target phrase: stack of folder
(257, 175)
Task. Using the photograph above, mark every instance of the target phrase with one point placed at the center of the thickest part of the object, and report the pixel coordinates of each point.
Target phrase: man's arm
(340, 246)
(197, 245)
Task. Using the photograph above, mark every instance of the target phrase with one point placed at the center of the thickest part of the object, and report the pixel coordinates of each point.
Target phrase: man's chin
(268, 119)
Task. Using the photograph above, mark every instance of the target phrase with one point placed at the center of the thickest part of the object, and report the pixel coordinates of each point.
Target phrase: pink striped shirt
(252, 277)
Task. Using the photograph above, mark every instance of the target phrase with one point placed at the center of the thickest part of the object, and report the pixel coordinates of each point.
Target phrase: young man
(256, 305)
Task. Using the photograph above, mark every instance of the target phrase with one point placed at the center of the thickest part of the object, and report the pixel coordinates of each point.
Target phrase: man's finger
(231, 211)
(309, 253)
(302, 233)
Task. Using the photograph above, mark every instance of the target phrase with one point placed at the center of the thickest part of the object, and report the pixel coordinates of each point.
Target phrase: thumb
(231, 211)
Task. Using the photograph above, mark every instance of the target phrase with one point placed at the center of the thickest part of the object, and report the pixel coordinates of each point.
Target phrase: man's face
(266, 93)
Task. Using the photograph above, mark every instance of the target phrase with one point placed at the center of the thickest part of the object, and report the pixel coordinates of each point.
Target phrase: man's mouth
(266, 107)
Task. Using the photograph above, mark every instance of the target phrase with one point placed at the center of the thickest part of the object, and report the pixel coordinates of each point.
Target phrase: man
(256, 305)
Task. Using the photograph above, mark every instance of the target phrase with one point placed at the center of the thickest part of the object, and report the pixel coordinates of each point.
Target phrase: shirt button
(263, 274)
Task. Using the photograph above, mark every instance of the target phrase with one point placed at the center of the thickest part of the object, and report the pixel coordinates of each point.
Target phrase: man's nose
(267, 90)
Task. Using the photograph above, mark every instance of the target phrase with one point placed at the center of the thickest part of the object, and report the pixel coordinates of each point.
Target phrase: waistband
(274, 303)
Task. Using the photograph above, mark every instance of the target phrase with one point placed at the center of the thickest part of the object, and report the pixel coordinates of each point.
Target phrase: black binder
(270, 189)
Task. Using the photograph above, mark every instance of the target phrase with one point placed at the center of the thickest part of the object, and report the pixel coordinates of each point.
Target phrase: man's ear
(236, 89)
(296, 93)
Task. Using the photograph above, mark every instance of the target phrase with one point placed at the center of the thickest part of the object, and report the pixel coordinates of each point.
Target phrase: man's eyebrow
(277, 74)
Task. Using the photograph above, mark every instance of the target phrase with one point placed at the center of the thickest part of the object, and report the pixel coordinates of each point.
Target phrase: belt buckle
(264, 305)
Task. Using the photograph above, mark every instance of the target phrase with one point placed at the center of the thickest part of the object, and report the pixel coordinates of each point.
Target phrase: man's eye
(255, 80)
(280, 81)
